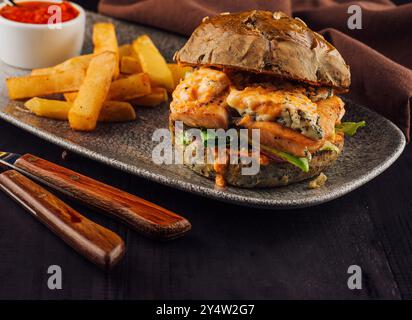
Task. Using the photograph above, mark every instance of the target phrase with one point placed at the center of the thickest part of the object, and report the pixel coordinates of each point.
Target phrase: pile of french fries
(104, 86)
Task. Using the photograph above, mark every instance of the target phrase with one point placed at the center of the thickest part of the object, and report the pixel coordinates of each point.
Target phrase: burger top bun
(269, 43)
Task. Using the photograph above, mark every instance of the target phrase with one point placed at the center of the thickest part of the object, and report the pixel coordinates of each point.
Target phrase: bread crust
(266, 43)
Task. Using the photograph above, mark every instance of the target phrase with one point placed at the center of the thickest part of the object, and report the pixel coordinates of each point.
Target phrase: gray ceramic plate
(128, 146)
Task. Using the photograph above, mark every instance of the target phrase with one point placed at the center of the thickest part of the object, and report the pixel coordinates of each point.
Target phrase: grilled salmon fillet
(331, 112)
(212, 115)
(291, 118)
(200, 99)
(289, 107)
(274, 135)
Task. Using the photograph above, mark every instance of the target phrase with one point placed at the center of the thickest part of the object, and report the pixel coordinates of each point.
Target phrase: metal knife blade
(7, 160)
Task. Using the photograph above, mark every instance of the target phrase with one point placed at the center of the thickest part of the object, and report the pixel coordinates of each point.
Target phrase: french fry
(123, 75)
(112, 111)
(156, 97)
(153, 63)
(80, 62)
(130, 65)
(70, 96)
(127, 50)
(93, 92)
(104, 39)
(116, 111)
(129, 88)
(53, 109)
(124, 89)
(34, 86)
(178, 72)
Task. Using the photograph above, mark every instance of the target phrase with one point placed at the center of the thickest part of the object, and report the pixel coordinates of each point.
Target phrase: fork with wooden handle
(98, 244)
(143, 216)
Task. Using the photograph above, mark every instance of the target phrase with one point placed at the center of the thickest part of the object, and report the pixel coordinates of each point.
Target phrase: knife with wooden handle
(98, 244)
(141, 215)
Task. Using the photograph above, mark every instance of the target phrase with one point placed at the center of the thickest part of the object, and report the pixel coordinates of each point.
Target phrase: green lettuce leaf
(350, 128)
(212, 137)
(184, 139)
(208, 136)
(329, 146)
(301, 163)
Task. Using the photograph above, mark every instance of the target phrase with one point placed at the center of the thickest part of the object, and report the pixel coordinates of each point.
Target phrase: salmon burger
(266, 71)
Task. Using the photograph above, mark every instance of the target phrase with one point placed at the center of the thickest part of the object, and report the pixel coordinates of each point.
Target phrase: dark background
(232, 252)
(92, 4)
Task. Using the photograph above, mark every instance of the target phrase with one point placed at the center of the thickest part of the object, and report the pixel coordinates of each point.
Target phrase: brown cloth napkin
(379, 54)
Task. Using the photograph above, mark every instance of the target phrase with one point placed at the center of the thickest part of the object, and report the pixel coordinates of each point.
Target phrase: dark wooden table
(232, 252)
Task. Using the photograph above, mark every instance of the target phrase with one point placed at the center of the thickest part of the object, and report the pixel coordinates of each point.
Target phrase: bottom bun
(270, 175)
(273, 174)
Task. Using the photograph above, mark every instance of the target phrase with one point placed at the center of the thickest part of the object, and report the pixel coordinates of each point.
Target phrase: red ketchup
(37, 12)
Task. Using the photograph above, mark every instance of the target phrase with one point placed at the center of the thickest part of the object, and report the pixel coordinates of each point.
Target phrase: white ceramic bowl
(30, 46)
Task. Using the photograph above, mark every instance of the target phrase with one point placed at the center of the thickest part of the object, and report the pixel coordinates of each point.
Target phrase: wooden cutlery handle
(98, 244)
(141, 215)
